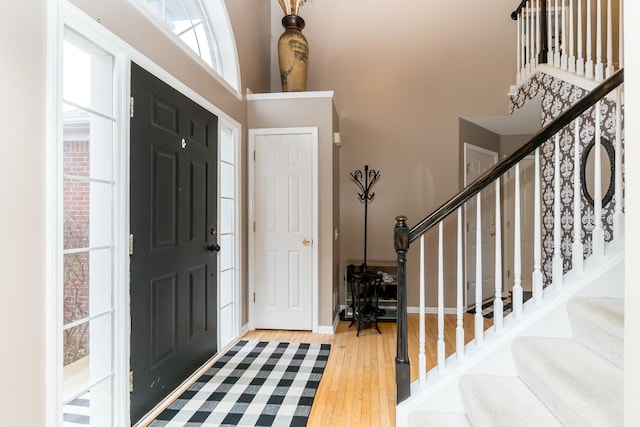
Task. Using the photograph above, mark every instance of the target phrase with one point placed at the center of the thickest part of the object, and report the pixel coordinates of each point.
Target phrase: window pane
(87, 284)
(87, 355)
(88, 217)
(87, 79)
(188, 21)
(88, 145)
(94, 405)
(227, 146)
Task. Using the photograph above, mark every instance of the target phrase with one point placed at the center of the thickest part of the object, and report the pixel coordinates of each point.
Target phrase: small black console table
(364, 296)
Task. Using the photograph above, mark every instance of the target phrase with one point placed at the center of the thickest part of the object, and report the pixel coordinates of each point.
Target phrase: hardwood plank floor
(358, 386)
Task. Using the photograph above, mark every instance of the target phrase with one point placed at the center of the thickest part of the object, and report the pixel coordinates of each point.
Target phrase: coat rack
(365, 181)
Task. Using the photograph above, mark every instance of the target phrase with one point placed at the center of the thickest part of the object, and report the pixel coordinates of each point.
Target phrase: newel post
(401, 243)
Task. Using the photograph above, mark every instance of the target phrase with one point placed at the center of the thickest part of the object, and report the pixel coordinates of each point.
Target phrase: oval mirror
(587, 174)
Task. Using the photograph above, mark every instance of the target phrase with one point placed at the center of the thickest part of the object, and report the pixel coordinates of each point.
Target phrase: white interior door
(283, 243)
(477, 161)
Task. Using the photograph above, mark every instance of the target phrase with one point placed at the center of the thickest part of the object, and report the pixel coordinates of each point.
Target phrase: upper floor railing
(584, 37)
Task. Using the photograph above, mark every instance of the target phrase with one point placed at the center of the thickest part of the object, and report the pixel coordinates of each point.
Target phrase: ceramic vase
(293, 55)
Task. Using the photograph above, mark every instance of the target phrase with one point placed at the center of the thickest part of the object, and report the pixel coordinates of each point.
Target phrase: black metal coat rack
(365, 181)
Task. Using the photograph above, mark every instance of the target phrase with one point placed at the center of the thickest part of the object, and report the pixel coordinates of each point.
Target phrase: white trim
(431, 310)
(244, 329)
(121, 260)
(326, 330)
(252, 215)
(290, 95)
(53, 238)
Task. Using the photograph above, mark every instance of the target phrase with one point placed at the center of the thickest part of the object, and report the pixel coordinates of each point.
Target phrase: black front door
(173, 222)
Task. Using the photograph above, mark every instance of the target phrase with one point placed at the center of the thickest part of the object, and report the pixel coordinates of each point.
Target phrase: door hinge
(131, 109)
(130, 381)
(254, 155)
(254, 226)
(130, 244)
(254, 297)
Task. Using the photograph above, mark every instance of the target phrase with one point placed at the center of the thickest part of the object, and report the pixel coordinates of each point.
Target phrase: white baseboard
(245, 328)
(416, 310)
(431, 310)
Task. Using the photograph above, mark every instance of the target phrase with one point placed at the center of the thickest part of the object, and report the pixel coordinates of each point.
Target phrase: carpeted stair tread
(499, 401)
(580, 387)
(598, 323)
(438, 419)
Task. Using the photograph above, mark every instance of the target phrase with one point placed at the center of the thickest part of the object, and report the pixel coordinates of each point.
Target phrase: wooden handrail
(515, 13)
(499, 169)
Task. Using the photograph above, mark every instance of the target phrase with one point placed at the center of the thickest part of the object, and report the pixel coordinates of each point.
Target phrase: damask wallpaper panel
(556, 97)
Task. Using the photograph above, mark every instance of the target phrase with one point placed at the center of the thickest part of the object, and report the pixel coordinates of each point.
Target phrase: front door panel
(173, 221)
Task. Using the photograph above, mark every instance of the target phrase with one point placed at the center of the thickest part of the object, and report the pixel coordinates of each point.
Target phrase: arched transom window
(203, 26)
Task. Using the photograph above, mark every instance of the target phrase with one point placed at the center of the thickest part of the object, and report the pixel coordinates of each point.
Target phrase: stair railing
(569, 121)
(576, 36)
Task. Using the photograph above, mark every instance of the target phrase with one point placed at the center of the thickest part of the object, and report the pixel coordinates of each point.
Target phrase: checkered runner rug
(254, 384)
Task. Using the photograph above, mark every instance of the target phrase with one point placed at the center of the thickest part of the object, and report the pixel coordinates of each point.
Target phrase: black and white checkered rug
(254, 384)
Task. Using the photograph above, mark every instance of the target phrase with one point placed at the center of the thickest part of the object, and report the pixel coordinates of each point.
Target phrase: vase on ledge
(293, 55)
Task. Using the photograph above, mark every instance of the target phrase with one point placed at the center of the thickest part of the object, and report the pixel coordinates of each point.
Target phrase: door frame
(470, 147)
(61, 14)
(253, 133)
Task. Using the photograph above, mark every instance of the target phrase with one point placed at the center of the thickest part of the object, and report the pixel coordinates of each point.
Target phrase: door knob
(306, 242)
(214, 248)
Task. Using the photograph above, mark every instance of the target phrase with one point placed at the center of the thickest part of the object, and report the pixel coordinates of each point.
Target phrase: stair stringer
(441, 393)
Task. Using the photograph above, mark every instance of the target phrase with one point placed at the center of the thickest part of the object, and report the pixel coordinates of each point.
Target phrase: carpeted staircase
(561, 381)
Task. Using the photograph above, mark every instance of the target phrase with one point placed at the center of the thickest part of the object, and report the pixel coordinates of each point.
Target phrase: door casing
(469, 296)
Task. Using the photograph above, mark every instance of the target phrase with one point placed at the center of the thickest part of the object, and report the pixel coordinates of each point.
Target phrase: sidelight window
(87, 231)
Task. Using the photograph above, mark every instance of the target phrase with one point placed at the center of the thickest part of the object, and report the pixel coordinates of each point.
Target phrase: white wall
(22, 191)
(632, 266)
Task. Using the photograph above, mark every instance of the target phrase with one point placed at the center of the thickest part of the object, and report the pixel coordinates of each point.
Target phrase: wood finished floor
(358, 386)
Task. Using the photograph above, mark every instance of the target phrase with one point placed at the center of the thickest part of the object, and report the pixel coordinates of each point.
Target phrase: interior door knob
(306, 242)
(214, 248)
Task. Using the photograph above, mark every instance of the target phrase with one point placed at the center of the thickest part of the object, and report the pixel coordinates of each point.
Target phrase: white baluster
(532, 50)
(589, 64)
(517, 251)
(459, 302)
(598, 231)
(523, 28)
(577, 249)
(564, 63)
(519, 52)
(618, 217)
(440, 346)
(572, 56)
(580, 58)
(479, 320)
(621, 36)
(422, 358)
(609, 70)
(556, 44)
(538, 49)
(549, 38)
(557, 235)
(599, 65)
(536, 278)
(498, 307)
